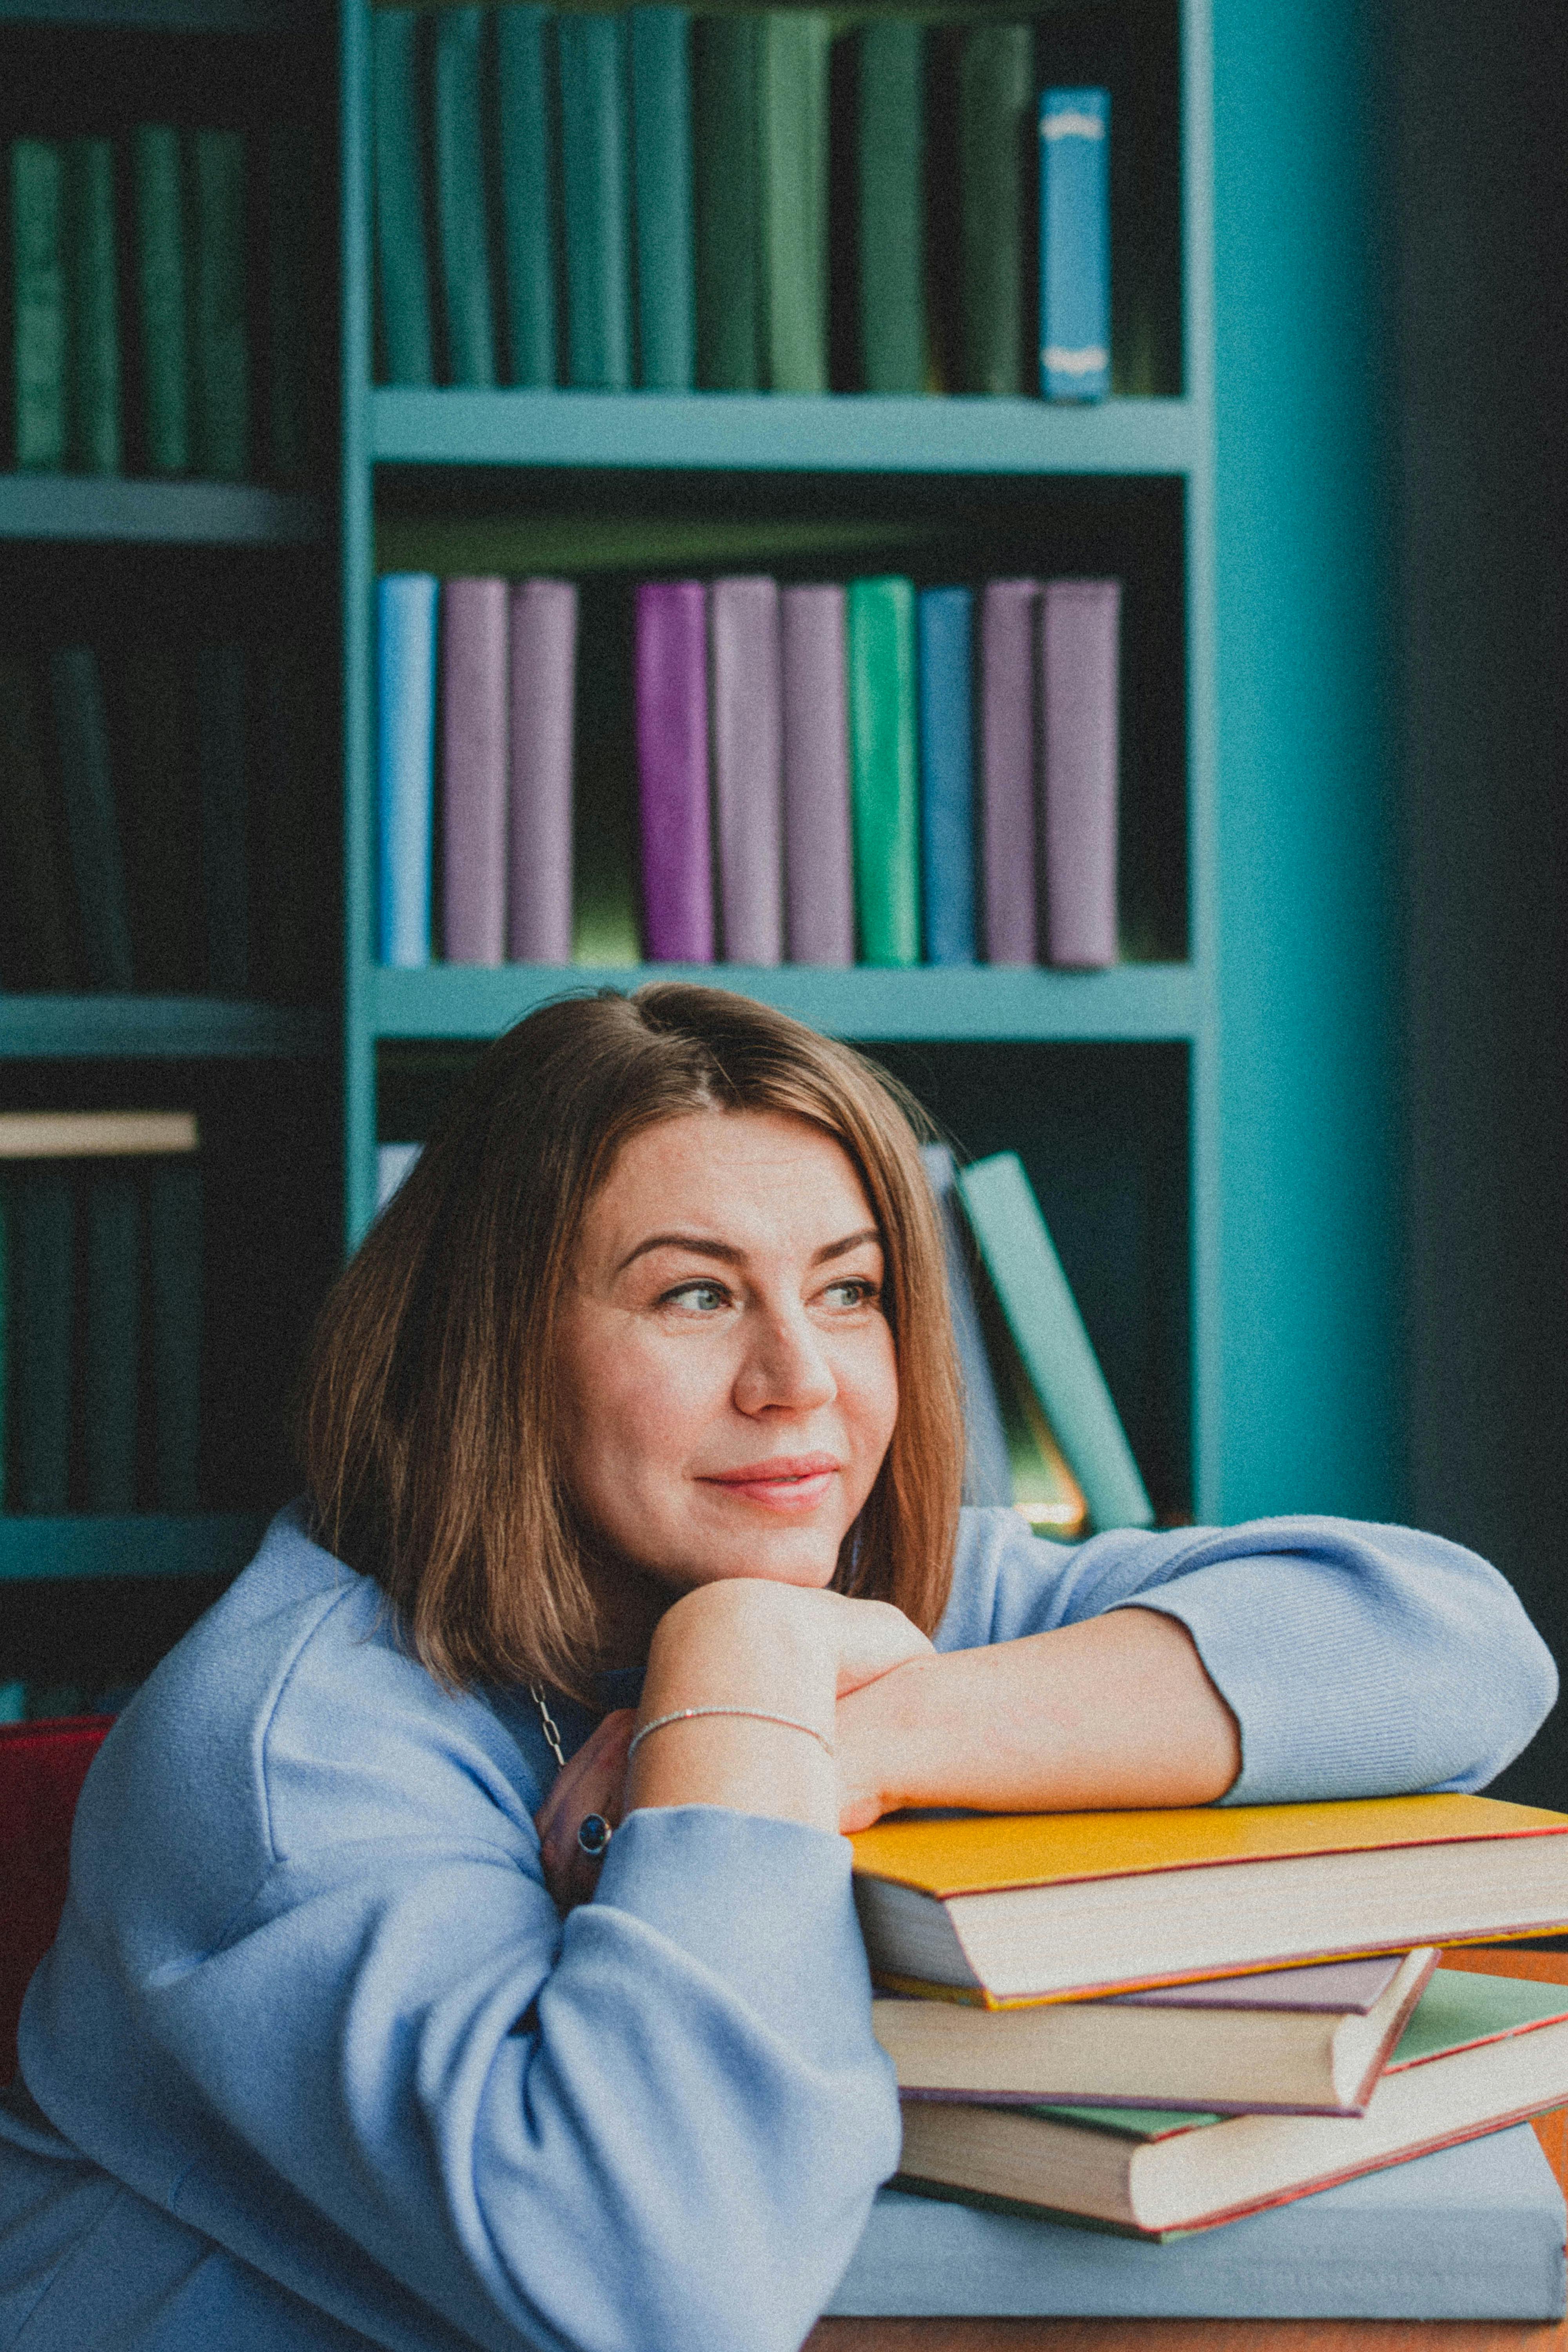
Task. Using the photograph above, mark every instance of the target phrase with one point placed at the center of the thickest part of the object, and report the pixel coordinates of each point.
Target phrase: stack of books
(1158, 2021)
(768, 200)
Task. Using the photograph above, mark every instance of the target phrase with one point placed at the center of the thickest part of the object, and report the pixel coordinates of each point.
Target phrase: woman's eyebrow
(704, 1245)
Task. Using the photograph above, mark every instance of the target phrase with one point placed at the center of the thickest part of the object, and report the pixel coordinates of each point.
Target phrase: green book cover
(525, 50)
(44, 1297)
(997, 141)
(175, 1293)
(111, 1347)
(462, 230)
(289, 281)
(92, 308)
(884, 769)
(890, 138)
(39, 302)
(596, 181)
(727, 144)
(40, 949)
(402, 256)
(163, 296)
(792, 60)
(220, 346)
(1049, 1332)
(661, 178)
(91, 816)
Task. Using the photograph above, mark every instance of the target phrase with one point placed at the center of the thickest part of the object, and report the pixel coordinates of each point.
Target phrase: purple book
(748, 762)
(819, 885)
(474, 728)
(544, 683)
(1009, 631)
(673, 770)
(1079, 638)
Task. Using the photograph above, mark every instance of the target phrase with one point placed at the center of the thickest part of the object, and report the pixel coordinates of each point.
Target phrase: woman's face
(727, 1373)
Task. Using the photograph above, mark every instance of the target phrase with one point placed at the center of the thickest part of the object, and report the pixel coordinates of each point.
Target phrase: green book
(39, 302)
(161, 821)
(222, 730)
(661, 179)
(402, 257)
(163, 296)
(220, 347)
(176, 1292)
(996, 142)
(884, 769)
(525, 50)
(40, 948)
(92, 820)
(289, 280)
(596, 181)
(727, 144)
(111, 1348)
(462, 231)
(891, 127)
(92, 308)
(1047, 1330)
(794, 47)
(43, 1296)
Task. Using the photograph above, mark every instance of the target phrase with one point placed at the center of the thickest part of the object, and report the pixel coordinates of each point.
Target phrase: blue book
(405, 760)
(661, 177)
(1075, 243)
(595, 157)
(393, 1163)
(462, 224)
(947, 774)
(525, 50)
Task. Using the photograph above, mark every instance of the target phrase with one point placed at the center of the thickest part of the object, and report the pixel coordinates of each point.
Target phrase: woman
(633, 1451)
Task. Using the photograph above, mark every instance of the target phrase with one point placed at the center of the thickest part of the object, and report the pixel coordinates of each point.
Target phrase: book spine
(819, 870)
(39, 298)
(987, 1477)
(162, 823)
(996, 105)
(727, 190)
(288, 302)
(175, 1305)
(792, 155)
(41, 951)
(162, 297)
(544, 673)
(92, 832)
(530, 229)
(595, 156)
(92, 307)
(673, 770)
(474, 729)
(112, 1341)
(947, 774)
(402, 257)
(1075, 243)
(219, 343)
(1080, 633)
(748, 767)
(891, 144)
(1008, 765)
(405, 760)
(661, 175)
(394, 1164)
(222, 734)
(285, 835)
(461, 228)
(885, 770)
(45, 1314)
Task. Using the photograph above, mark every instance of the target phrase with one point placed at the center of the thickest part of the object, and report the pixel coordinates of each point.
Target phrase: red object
(42, 1768)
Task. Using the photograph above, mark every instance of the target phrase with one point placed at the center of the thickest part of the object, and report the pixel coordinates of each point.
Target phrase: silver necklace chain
(552, 1729)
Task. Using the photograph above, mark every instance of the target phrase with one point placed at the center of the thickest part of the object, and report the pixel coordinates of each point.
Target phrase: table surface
(1244, 2334)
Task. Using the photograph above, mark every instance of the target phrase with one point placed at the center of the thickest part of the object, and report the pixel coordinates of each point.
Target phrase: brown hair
(428, 1418)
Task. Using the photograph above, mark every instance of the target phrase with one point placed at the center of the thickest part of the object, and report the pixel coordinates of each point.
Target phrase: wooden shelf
(104, 507)
(214, 1544)
(157, 1028)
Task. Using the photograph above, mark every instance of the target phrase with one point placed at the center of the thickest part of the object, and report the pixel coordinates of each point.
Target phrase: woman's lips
(792, 1482)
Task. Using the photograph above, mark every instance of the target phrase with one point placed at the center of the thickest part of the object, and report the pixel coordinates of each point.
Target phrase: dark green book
(176, 1292)
(595, 173)
(890, 135)
(728, 163)
(220, 345)
(402, 254)
(43, 1299)
(92, 308)
(111, 1340)
(292, 922)
(290, 283)
(38, 946)
(161, 818)
(39, 302)
(163, 296)
(525, 58)
(793, 117)
(885, 770)
(997, 144)
(661, 179)
(462, 228)
(221, 762)
(92, 826)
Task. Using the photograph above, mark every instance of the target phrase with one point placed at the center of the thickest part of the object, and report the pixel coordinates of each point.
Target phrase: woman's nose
(785, 1366)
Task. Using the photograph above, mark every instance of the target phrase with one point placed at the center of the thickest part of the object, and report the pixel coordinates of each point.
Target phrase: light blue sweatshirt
(315, 2063)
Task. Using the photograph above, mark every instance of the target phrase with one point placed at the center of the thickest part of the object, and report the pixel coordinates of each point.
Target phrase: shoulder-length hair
(430, 1409)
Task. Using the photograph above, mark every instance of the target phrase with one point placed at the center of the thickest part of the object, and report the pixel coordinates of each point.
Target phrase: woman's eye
(702, 1297)
(853, 1291)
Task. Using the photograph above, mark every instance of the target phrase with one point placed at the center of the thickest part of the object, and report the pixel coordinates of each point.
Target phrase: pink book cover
(819, 885)
(474, 729)
(543, 695)
(1081, 654)
(748, 767)
(1009, 889)
(673, 770)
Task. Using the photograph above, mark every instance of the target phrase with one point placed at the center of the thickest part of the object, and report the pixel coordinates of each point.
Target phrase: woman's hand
(592, 1781)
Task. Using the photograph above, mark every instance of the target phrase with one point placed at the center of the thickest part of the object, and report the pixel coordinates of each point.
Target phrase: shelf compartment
(158, 1028)
(111, 507)
(215, 1544)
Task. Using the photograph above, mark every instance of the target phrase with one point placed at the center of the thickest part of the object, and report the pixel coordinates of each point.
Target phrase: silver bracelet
(757, 1715)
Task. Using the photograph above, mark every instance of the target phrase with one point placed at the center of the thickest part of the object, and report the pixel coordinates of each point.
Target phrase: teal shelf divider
(158, 1028)
(110, 507)
(215, 1544)
(153, 16)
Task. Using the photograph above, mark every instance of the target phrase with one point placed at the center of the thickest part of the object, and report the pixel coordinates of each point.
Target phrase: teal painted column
(1308, 946)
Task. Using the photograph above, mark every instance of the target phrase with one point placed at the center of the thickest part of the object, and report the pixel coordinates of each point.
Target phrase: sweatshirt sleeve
(1358, 1660)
